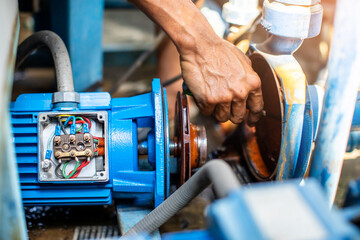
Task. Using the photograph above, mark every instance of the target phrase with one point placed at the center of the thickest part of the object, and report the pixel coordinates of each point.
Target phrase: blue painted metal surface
(339, 100)
(12, 219)
(307, 137)
(356, 119)
(290, 210)
(128, 216)
(80, 25)
(274, 211)
(194, 235)
(127, 180)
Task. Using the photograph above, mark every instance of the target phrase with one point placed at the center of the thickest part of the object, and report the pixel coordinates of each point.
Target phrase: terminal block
(72, 146)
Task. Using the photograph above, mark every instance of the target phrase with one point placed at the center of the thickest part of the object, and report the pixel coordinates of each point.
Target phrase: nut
(88, 152)
(57, 140)
(46, 164)
(87, 137)
(72, 138)
(72, 153)
(57, 154)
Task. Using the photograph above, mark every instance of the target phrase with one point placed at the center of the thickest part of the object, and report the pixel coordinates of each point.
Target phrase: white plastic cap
(240, 12)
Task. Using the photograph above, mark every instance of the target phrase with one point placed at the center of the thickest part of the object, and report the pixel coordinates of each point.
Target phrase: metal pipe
(340, 96)
(59, 53)
(216, 172)
(278, 45)
(12, 219)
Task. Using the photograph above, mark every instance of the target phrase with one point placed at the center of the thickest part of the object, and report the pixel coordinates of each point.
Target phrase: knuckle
(254, 81)
(241, 94)
(226, 98)
(210, 100)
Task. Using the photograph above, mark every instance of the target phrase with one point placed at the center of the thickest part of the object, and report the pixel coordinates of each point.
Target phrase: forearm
(181, 20)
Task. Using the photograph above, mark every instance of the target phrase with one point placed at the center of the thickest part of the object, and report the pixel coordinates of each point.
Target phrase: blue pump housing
(127, 181)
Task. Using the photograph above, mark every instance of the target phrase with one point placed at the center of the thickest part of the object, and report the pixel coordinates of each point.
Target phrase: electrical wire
(57, 171)
(62, 126)
(71, 120)
(78, 170)
(72, 172)
(50, 140)
(88, 121)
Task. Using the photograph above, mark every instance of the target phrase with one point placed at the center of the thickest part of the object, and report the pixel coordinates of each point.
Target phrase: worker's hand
(222, 81)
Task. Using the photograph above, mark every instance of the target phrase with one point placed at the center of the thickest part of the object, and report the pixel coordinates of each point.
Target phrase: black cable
(56, 171)
(62, 125)
(172, 80)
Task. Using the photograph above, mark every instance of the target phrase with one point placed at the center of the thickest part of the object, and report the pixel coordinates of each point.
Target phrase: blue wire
(67, 120)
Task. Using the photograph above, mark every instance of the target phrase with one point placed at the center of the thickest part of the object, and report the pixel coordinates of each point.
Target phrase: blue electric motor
(91, 154)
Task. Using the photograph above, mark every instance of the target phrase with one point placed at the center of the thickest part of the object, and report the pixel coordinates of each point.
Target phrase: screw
(72, 153)
(72, 138)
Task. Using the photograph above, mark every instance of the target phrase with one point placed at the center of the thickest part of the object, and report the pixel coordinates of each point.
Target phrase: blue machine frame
(126, 180)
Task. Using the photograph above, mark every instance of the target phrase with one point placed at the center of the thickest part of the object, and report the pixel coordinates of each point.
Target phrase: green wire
(81, 127)
(73, 171)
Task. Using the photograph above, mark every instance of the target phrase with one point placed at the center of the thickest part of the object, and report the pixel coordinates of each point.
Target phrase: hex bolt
(57, 140)
(72, 138)
(72, 153)
(57, 154)
(45, 165)
(87, 137)
(88, 152)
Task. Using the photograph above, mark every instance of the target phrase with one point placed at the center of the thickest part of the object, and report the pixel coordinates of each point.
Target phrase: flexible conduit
(59, 53)
(216, 172)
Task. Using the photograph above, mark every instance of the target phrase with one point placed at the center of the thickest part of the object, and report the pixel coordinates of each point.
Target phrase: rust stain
(294, 82)
(283, 147)
(253, 151)
(194, 147)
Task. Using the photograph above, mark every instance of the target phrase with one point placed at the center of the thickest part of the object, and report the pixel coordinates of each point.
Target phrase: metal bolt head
(72, 153)
(46, 164)
(88, 152)
(72, 138)
(57, 140)
(87, 137)
(57, 154)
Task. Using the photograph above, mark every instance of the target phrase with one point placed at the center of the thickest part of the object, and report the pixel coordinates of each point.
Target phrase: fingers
(205, 109)
(255, 104)
(238, 111)
(222, 112)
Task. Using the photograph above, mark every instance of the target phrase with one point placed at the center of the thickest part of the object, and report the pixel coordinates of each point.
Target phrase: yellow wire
(64, 115)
